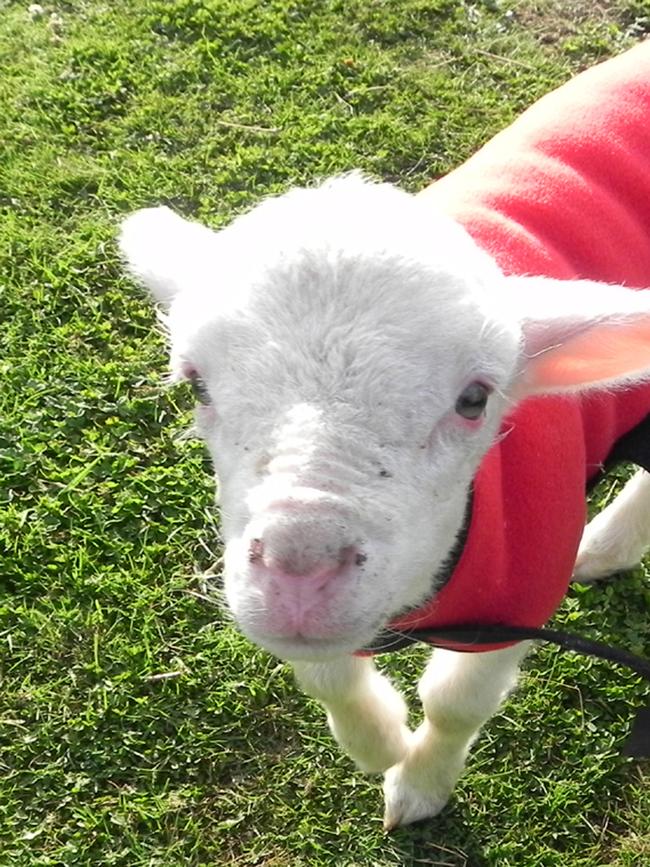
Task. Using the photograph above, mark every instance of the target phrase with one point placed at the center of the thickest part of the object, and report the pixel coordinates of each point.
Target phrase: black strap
(473, 637)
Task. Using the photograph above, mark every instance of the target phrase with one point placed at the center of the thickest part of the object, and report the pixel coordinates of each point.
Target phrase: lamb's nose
(302, 558)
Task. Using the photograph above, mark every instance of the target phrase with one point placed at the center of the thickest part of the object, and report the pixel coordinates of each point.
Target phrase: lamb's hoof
(405, 804)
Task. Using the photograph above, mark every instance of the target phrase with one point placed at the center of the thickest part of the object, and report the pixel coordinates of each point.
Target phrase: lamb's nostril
(255, 550)
(349, 555)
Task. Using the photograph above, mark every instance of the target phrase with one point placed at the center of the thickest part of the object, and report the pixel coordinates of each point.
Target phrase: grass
(136, 726)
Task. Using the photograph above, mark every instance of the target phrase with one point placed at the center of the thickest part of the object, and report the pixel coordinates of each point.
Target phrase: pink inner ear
(603, 354)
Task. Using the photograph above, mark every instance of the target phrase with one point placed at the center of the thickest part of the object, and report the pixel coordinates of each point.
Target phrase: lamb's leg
(459, 692)
(618, 537)
(365, 712)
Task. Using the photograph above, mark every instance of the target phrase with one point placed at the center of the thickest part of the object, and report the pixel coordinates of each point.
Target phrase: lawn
(136, 726)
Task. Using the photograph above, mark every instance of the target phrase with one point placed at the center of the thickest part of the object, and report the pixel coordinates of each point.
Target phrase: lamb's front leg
(459, 692)
(365, 712)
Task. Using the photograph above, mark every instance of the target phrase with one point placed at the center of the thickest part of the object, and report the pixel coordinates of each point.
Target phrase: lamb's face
(342, 353)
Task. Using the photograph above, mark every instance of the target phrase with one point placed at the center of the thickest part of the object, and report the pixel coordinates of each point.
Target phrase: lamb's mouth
(300, 648)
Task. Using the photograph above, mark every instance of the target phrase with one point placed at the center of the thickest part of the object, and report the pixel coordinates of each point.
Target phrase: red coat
(564, 192)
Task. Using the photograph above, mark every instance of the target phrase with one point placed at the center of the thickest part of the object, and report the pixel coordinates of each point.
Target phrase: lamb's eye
(473, 400)
(199, 389)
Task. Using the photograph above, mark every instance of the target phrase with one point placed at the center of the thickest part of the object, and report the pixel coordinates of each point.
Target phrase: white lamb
(372, 390)
(354, 358)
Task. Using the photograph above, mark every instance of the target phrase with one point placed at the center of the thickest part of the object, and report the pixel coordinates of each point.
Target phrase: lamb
(403, 421)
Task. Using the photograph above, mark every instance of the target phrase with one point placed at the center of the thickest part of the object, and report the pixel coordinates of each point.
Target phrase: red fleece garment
(564, 192)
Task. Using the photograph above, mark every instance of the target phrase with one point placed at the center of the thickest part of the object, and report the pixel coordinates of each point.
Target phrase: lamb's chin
(305, 648)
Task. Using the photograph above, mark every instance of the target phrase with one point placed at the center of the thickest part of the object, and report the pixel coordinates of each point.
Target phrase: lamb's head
(353, 356)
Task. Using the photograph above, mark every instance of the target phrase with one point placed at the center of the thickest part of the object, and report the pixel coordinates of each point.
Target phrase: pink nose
(302, 570)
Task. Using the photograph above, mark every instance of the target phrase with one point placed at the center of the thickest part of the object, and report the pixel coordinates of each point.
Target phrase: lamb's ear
(580, 335)
(166, 252)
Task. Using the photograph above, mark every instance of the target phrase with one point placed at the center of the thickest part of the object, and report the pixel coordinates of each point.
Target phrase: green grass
(106, 518)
